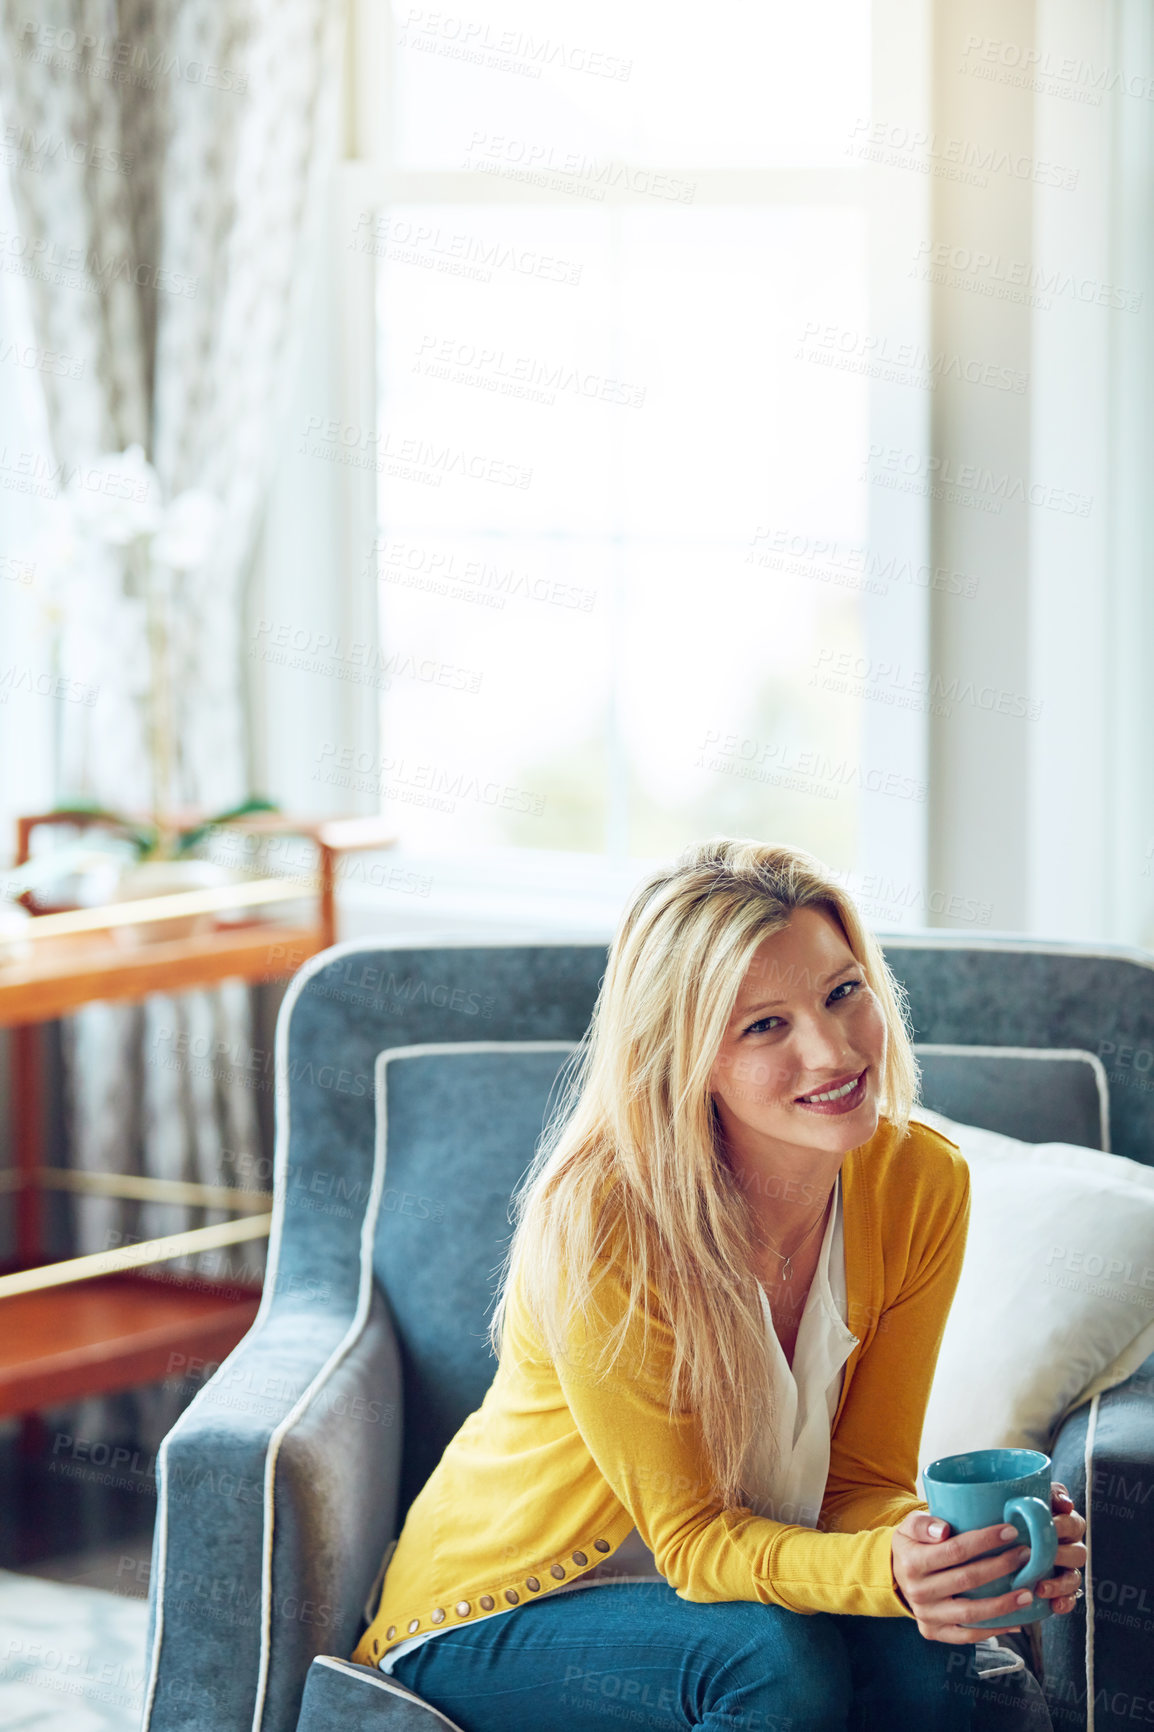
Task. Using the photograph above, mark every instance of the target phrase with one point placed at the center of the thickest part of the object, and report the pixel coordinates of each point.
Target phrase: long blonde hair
(635, 1122)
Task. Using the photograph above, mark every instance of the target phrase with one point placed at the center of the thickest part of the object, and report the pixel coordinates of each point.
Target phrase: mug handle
(1043, 1537)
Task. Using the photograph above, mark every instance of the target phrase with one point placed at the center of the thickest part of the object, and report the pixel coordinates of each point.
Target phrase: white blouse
(805, 1400)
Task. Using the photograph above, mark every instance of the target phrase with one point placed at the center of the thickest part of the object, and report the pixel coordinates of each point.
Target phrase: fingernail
(936, 1530)
(1024, 1597)
(1008, 1534)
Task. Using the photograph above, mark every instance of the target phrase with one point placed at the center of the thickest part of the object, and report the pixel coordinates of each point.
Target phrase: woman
(732, 1262)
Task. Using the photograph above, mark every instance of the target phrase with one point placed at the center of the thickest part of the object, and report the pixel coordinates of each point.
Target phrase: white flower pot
(166, 878)
(15, 945)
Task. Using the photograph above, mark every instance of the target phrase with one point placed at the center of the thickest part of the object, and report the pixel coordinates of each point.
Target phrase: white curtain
(168, 162)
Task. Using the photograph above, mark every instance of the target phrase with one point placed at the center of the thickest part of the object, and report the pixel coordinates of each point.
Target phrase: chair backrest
(459, 1123)
(1038, 996)
(1040, 1095)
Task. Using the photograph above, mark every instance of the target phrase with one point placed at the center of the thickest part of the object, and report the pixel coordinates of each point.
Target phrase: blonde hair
(635, 1123)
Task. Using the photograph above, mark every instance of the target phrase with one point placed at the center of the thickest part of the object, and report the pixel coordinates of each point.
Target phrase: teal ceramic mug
(985, 1487)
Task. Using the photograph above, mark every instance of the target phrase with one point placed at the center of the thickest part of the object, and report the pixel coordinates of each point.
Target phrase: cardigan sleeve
(655, 1465)
(873, 1468)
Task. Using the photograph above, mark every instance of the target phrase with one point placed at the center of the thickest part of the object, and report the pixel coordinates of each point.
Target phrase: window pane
(582, 90)
(592, 425)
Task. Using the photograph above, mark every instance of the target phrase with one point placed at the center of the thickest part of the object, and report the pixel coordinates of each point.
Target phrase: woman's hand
(932, 1569)
(1066, 1587)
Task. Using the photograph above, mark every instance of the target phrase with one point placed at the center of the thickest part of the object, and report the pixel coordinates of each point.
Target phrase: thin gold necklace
(787, 1262)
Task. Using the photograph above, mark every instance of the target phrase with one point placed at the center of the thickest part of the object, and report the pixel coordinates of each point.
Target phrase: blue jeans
(633, 1654)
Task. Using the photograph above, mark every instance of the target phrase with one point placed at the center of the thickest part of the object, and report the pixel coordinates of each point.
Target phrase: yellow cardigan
(554, 1469)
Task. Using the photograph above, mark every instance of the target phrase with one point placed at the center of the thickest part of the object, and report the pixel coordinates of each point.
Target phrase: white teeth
(835, 1094)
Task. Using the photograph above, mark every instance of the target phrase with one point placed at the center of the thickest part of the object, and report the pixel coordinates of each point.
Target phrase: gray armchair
(284, 1483)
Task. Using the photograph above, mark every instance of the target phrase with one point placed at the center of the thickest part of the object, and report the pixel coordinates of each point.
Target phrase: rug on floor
(71, 1659)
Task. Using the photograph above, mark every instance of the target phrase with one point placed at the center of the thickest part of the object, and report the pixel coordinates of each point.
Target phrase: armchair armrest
(277, 1496)
(1104, 1453)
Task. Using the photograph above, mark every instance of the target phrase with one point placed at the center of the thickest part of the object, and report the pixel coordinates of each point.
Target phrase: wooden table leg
(28, 1139)
(28, 1148)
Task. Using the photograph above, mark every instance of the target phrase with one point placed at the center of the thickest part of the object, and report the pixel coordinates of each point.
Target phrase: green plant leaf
(192, 838)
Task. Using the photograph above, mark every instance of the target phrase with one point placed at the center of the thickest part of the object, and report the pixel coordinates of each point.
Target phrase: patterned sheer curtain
(168, 161)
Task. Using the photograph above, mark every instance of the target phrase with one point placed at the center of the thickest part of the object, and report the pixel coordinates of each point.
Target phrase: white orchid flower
(115, 501)
(188, 529)
(116, 498)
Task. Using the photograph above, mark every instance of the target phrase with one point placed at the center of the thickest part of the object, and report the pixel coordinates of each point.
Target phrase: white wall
(1047, 817)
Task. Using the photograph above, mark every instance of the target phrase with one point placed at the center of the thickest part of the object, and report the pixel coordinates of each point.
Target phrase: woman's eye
(847, 988)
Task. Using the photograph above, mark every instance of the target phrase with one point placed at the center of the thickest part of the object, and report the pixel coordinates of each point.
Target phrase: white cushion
(1056, 1297)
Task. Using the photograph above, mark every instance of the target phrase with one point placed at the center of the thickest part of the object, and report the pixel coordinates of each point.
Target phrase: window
(624, 267)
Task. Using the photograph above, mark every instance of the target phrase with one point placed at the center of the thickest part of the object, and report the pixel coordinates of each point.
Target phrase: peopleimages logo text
(993, 270)
(928, 473)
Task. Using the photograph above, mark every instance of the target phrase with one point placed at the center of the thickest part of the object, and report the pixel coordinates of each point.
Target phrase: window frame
(892, 843)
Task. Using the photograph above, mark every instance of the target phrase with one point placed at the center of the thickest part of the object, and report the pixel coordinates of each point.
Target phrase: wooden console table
(94, 1324)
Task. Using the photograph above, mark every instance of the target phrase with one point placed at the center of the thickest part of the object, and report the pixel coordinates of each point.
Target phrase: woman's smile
(845, 1095)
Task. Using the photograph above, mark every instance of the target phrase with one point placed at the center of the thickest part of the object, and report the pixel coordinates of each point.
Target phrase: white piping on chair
(1087, 1579)
(1101, 1080)
(351, 1337)
(364, 1302)
(427, 1049)
(161, 1562)
(382, 1681)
